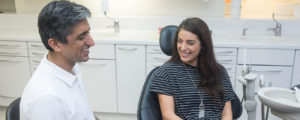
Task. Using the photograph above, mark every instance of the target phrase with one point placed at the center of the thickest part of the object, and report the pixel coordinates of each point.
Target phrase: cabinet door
(130, 76)
(296, 73)
(266, 56)
(278, 76)
(15, 73)
(99, 77)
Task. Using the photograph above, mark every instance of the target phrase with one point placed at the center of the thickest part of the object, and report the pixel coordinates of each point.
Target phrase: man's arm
(47, 108)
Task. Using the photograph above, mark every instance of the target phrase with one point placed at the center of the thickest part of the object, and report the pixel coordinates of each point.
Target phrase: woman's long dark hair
(207, 66)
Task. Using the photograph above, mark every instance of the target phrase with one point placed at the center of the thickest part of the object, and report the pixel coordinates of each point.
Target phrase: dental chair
(13, 110)
(148, 106)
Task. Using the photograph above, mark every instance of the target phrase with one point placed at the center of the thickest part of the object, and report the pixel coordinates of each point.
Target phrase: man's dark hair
(58, 18)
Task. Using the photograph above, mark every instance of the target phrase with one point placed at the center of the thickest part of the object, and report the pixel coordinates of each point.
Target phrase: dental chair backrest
(148, 106)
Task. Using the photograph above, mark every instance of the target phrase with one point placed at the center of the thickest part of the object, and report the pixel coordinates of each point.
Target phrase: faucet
(116, 24)
(244, 31)
(277, 29)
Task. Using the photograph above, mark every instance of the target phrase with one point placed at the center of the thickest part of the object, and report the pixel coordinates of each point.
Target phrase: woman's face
(189, 47)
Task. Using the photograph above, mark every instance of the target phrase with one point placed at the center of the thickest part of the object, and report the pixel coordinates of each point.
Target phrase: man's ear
(54, 44)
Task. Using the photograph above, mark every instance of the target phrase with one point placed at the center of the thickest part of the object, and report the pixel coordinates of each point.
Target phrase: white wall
(30, 6)
(170, 8)
(263, 9)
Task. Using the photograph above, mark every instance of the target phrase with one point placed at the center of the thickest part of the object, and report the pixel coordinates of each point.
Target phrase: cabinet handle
(155, 66)
(128, 49)
(156, 50)
(229, 60)
(9, 61)
(160, 59)
(37, 46)
(99, 65)
(219, 52)
(9, 46)
(36, 61)
(3, 96)
(10, 53)
(228, 68)
(35, 53)
(266, 70)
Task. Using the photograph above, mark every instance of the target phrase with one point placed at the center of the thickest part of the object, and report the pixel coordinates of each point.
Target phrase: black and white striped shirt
(173, 79)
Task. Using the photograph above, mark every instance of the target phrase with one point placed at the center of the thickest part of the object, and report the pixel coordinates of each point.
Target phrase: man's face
(79, 42)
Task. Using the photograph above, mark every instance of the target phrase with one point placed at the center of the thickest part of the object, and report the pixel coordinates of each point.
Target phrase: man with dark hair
(55, 91)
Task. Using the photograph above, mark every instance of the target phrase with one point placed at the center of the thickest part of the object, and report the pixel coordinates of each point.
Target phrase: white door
(296, 72)
(99, 77)
(15, 73)
(131, 69)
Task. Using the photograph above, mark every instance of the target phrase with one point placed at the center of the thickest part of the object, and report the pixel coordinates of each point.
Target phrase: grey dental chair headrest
(166, 39)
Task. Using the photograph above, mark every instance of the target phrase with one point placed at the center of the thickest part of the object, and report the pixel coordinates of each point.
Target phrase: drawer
(12, 45)
(266, 56)
(100, 51)
(226, 59)
(13, 52)
(34, 63)
(36, 45)
(152, 65)
(158, 57)
(225, 51)
(154, 49)
(37, 52)
(230, 68)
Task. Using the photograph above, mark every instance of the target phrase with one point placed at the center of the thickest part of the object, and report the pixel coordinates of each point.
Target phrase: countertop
(142, 37)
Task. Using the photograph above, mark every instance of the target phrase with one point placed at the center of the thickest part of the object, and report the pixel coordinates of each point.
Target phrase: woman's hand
(167, 107)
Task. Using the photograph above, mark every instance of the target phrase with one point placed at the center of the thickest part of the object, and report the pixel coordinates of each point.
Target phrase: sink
(279, 99)
(262, 38)
(104, 33)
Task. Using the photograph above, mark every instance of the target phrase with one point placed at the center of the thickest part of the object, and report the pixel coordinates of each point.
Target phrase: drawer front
(225, 51)
(13, 52)
(102, 52)
(266, 56)
(226, 59)
(154, 49)
(12, 45)
(15, 73)
(37, 52)
(152, 65)
(34, 63)
(157, 57)
(230, 68)
(36, 45)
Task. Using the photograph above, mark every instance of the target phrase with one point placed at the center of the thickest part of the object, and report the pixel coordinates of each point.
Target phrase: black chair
(148, 106)
(13, 111)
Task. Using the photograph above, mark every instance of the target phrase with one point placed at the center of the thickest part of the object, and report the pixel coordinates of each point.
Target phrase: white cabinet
(296, 72)
(227, 57)
(36, 52)
(99, 77)
(131, 71)
(267, 56)
(14, 69)
(155, 57)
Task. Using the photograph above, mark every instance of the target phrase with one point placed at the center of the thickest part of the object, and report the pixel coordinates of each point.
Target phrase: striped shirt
(174, 80)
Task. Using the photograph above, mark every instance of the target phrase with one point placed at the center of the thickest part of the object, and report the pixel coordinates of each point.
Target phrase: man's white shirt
(55, 94)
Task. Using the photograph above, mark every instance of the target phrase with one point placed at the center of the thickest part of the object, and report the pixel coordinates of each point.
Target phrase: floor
(101, 116)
